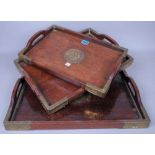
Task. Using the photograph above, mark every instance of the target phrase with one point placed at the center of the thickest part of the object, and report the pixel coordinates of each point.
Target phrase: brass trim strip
(20, 125)
(101, 92)
(136, 124)
(127, 63)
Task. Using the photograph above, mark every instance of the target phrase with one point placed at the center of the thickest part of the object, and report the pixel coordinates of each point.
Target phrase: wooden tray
(121, 108)
(70, 55)
(53, 92)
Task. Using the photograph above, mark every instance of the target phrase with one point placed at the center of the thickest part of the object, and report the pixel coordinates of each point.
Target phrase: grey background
(138, 37)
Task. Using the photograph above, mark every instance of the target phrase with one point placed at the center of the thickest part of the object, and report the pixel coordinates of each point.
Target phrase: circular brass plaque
(74, 56)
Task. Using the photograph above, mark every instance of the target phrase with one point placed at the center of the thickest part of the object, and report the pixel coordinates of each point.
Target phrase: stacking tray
(121, 108)
(52, 92)
(70, 55)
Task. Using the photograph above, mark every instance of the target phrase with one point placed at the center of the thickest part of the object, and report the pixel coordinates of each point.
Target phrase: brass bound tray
(69, 55)
(53, 92)
(121, 108)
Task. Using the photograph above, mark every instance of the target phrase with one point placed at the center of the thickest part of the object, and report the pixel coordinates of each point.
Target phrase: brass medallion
(74, 56)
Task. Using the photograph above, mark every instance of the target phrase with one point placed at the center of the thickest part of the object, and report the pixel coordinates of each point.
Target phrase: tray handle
(16, 90)
(92, 33)
(37, 36)
(134, 89)
(31, 42)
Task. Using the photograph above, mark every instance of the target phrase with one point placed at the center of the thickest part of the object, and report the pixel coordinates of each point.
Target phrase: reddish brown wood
(49, 89)
(103, 59)
(119, 109)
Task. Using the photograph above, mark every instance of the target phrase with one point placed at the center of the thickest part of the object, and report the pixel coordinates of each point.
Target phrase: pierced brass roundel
(74, 56)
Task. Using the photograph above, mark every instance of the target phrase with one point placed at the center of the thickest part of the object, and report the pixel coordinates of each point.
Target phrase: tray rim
(87, 124)
(92, 88)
